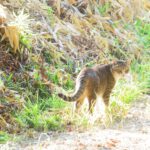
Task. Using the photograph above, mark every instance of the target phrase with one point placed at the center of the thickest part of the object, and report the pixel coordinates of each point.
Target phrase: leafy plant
(50, 11)
(104, 8)
(25, 39)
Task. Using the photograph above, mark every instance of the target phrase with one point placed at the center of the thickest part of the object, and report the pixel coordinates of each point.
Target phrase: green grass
(25, 39)
(142, 69)
(4, 137)
(104, 8)
(44, 111)
(143, 32)
(39, 115)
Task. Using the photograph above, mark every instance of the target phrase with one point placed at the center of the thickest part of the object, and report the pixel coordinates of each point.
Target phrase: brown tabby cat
(97, 81)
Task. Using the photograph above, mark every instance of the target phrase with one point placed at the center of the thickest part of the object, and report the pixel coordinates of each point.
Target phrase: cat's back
(97, 71)
(102, 70)
(88, 72)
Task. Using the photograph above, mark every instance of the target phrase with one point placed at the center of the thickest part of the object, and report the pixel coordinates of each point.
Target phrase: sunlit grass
(4, 137)
(43, 110)
(39, 115)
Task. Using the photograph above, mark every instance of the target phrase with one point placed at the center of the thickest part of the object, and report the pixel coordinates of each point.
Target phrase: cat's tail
(79, 90)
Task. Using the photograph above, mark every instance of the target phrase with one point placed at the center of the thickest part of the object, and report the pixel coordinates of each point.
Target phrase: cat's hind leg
(92, 102)
(79, 104)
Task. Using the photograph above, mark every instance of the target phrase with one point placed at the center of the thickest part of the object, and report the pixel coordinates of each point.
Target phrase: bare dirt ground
(132, 134)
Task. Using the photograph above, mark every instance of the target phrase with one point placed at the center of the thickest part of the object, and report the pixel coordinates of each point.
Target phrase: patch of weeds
(38, 115)
(104, 8)
(53, 76)
(129, 93)
(142, 68)
(54, 123)
(60, 77)
(143, 31)
(119, 52)
(70, 66)
(39, 85)
(9, 82)
(51, 102)
(50, 13)
(81, 121)
(4, 137)
(31, 116)
(3, 100)
(41, 89)
(69, 84)
(47, 56)
(25, 39)
(141, 73)
(117, 110)
(74, 120)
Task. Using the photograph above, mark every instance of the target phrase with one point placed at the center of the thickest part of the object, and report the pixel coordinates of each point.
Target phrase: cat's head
(120, 68)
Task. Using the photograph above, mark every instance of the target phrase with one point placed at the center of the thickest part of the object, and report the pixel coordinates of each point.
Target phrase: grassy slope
(43, 111)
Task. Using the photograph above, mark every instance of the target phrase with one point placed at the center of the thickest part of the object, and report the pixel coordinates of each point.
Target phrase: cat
(95, 82)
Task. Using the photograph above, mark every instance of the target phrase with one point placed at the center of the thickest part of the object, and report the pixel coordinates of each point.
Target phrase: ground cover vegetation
(44, 46)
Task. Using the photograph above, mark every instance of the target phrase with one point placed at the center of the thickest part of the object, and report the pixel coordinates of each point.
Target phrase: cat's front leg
(107, 117)
(106, 97)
